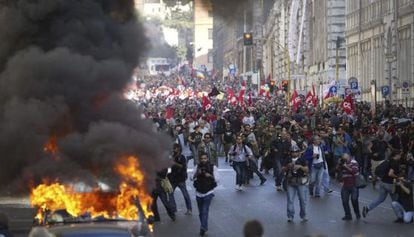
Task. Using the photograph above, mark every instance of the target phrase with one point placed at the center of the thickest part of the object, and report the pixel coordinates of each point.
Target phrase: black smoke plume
(63, 67)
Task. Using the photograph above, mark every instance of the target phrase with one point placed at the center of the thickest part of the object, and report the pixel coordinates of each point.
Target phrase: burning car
(76, 209)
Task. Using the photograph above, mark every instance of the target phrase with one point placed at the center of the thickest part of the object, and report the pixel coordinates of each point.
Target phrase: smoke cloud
(63, 67)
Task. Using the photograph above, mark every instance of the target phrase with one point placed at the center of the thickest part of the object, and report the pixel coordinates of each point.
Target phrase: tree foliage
(172, 3)
(179, 20)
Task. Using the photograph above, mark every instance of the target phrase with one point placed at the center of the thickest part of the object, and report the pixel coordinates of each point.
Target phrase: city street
(231, 209)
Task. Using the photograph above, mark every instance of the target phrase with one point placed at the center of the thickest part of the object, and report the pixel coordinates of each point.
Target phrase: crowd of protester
(305, 149)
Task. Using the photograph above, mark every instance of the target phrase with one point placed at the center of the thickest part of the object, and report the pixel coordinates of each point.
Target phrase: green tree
(179, 20)
(181, 52)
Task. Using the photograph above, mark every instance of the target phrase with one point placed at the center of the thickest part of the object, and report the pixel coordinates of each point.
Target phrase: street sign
(405, 85)
(385, 91)
(354, 85)
(333, 90)
(405, 90)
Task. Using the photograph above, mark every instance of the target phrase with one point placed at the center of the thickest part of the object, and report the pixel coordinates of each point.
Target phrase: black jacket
(178, 174)
(204, 184)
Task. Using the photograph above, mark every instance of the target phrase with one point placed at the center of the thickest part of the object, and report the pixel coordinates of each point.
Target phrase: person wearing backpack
(387, 171)
(239, 155)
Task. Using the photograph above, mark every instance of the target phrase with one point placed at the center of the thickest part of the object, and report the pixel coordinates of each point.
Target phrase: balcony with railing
(405, 7)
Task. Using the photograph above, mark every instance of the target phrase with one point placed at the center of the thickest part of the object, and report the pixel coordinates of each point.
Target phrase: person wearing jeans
(203, 204)
(296, 169)
(315, 155)
(205, 180)
(387, 182)
(178, 176)
(164, 195)
(348, 168)
(239, 155)
(403, 207)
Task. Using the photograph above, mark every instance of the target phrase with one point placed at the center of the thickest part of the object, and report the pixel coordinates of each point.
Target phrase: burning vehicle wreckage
(64, 123)
(128, 206)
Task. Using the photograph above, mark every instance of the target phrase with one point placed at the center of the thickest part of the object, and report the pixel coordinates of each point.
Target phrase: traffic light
(285, 85)
(248, 39)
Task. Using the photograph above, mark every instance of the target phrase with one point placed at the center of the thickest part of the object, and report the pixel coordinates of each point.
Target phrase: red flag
(241, 93)
(295, 101)
(206, 103)
(169, 113)
(241, 99)
(231, 97)
(348, 105)
(243, 84)
(262, 90)
(311, 99)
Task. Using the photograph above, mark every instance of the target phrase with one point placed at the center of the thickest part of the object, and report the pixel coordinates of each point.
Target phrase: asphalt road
(230, 209)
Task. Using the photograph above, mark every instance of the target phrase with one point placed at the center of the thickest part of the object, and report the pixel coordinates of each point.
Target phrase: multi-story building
(380, 47)
(152, 8)
(303, 41)
(232, 57)
(203, 35)
(225, 38)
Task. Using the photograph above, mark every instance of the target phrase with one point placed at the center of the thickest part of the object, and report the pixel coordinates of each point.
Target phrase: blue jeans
(203, 204)
(277, 172)
(326, 180)
(166, 201)
(241, 170)
(384, 190)
(410, 172)
(301, 190)
(399, 211)
(352, 192)
(182, 186)
(316, 180)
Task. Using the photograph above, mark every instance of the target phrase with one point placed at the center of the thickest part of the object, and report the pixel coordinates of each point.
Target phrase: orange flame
(122, 204)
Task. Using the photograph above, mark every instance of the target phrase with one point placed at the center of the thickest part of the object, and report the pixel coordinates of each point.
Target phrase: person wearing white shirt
(239, 155)
(316, 155)
(249, 119)
(205, 180)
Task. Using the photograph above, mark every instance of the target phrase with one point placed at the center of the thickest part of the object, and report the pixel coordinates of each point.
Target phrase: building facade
(304, 41)
(232, 57)
(380, 48)
(203, 35)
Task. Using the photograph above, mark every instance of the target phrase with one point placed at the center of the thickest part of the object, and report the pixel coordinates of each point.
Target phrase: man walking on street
(348, 168)
(205, 180)
(239, 155)
(296, 169)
